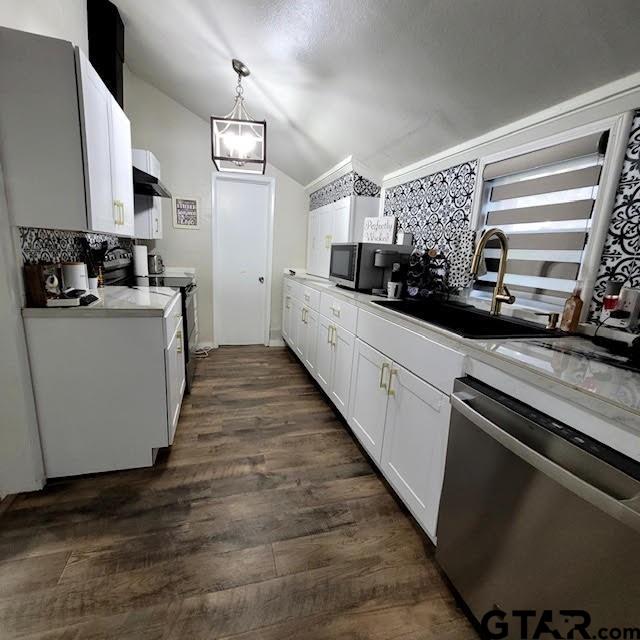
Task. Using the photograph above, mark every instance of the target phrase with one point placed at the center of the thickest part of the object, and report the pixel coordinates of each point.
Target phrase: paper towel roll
(140, 264)
(74, 275)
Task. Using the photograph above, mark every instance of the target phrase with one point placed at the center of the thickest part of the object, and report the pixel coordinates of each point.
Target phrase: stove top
(176, 282)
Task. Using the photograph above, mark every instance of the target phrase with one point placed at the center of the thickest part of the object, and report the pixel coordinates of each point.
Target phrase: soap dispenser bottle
(572, 310)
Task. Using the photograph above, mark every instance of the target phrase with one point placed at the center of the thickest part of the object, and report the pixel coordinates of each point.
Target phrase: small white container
(394, 289)
(74, 275)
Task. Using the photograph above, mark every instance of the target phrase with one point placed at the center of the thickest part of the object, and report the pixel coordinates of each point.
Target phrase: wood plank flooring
(263, 521)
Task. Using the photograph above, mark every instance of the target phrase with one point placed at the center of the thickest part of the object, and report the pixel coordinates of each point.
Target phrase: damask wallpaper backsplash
(436, 209)
(51, 245)
(350, 184)
(621, 254)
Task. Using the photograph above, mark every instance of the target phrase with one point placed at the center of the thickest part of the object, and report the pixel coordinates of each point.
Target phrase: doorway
(243, 208)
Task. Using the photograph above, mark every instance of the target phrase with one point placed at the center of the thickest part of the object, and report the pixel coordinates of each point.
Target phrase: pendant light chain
(238, 142)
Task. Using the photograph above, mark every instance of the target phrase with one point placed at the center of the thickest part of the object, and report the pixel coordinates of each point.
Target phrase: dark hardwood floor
(264, 521)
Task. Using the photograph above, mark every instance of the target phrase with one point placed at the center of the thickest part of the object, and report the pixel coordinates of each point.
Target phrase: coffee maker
(393, 263)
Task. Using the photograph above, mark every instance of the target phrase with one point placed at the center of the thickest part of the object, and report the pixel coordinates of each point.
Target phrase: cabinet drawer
(310, 297)
(291, 288)
(433, 362)
(339, 312)
(172, 318)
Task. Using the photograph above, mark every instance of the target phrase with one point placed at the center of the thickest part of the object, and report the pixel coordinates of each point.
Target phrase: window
(546, 200)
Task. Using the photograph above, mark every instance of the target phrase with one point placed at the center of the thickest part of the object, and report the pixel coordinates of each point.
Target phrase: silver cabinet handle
(334, 342)
(329, 327)
(179, 337)
(623, 510)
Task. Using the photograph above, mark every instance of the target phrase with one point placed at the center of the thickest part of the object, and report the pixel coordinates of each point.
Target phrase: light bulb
(240, 145)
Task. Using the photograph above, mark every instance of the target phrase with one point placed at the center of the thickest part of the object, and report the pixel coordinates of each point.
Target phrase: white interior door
(242, 236)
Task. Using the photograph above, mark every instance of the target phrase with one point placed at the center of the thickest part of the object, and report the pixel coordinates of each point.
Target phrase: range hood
(145, 184)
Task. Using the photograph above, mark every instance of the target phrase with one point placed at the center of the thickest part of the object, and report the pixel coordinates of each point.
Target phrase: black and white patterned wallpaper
(51, 245)
(621, 254)
(436, 209)
(350, 184)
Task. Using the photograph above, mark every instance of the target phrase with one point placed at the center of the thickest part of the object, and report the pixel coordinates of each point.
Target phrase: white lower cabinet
(309, 349)
(399, 418)
(286, 318)
(334, 358)
(403, 423)
(368, 406)
(324, 355)
(297, 327)
(125, 375)
(343, 343)
(415, 444)
(175, 377)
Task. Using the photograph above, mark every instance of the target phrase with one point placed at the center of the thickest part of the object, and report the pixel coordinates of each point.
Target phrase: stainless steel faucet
(500, 292)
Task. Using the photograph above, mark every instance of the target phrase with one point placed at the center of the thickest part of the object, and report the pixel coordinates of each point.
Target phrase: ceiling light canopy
(239, 143)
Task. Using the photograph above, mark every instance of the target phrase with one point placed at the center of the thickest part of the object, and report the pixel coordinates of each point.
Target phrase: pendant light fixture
(238, 142)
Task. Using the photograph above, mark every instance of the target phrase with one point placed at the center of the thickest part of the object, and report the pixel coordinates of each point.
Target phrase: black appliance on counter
(362, 266)
(118, 272)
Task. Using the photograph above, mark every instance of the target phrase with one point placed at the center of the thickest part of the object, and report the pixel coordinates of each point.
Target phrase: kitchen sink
(468, 321)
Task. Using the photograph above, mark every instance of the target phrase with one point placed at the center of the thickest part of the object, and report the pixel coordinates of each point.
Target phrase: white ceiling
(389, 81)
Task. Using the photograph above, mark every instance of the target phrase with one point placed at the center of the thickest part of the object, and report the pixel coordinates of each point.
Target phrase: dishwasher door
(536, 516)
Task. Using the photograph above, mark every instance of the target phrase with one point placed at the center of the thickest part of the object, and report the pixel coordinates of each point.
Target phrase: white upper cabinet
(40, 141)
(340, 221)
(95, 107)
(107, 154)
(121, 168)
(148, 209)
(66, 143)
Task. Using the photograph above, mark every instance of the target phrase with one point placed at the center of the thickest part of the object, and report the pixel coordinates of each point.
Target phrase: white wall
(21, 467)
(181, 142)
(66, 19)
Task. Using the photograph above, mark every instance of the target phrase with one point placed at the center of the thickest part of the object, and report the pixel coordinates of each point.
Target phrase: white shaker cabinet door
(343, 343)
(298, 327)
(121, 169)
(415, 442)
(311, 340)
(368, 404)
(175, 376)
(325, 233)
(95, 116)
(324, 355)
(341, 222)
(286, 318)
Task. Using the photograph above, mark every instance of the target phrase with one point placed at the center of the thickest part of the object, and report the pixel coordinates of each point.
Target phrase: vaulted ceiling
(389, 81)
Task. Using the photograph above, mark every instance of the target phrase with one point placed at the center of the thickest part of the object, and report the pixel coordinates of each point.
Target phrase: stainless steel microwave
(353, 264)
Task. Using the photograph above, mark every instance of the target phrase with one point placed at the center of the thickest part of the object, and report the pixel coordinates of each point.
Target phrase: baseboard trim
(276, 342)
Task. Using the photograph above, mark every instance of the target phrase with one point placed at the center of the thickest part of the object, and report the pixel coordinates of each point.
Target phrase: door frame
(270, 182)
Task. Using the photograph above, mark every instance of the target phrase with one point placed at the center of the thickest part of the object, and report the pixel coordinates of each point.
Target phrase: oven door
(343, 268)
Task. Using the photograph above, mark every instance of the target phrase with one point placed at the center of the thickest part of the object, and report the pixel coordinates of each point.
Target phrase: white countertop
(114, 301)
(603, 387)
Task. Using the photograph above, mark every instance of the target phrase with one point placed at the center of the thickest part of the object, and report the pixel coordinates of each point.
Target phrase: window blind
(544, 202)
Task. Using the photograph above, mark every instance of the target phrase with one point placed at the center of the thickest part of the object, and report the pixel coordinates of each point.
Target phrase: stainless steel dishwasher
(537, 516)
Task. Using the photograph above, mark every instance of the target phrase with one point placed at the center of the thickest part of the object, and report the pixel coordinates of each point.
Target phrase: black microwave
(353, 264)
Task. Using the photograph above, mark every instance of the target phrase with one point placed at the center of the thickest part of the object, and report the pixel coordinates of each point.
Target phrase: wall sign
(186, 213)
(380, 230)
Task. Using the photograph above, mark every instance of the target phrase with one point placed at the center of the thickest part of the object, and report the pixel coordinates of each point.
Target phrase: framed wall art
(186, 213)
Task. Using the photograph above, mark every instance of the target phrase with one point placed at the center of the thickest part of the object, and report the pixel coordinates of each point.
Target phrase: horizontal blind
(544, 202)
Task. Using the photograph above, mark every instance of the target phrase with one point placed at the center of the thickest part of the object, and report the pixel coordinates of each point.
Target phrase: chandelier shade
(238, 142)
